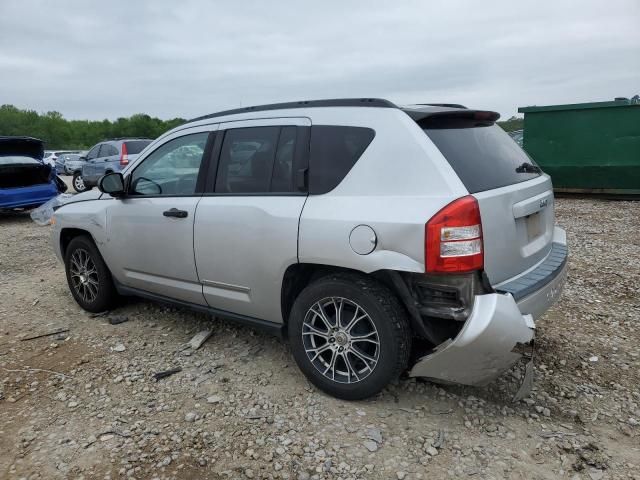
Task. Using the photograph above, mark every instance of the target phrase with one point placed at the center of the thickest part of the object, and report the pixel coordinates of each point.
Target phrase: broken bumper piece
(484, 348)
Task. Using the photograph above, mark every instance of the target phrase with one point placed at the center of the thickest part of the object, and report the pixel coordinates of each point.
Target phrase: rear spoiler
(455, 118)
(26, 146)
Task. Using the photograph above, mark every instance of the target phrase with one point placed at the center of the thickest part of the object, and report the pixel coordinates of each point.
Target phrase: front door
(150, 241)
(88, 169)
(246, 228)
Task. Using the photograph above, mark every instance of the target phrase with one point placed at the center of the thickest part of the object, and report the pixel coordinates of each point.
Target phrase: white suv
(352, 227)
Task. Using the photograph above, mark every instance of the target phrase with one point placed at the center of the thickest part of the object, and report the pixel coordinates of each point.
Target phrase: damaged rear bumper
(488, 343)
(484, 348)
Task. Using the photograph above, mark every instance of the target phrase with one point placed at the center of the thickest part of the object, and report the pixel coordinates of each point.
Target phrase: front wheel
(78, 183)
(349, 335)
(88, 276)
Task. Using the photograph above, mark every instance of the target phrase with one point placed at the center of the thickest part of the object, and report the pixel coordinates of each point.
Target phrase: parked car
(25, 180)
(351, 227)
(52, 157)
(106, 157)
(70, 163)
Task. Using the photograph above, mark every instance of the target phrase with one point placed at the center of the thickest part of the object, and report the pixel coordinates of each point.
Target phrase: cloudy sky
(105, 59)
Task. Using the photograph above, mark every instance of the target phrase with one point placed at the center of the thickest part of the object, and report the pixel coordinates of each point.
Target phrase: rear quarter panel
(397, 185)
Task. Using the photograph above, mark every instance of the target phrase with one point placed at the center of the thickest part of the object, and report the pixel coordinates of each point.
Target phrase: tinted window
(172, 169)
(93, 153)
(136, 146)
(484, 157)
(107, 150)
(282, 177)
(334, 151)
(246, 160)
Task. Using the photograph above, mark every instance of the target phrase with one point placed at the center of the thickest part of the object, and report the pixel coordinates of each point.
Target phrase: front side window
(172, 169)
(257, 160)
(93, 153)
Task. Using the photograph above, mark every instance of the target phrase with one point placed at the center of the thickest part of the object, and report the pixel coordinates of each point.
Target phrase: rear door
(107, 160)
(515, 197)
(246, 229)
(150, 230)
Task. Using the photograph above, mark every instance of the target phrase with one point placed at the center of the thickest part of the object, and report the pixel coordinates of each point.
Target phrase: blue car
(25, 180)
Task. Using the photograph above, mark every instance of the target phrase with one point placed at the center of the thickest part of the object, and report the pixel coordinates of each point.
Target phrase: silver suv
(355, 228)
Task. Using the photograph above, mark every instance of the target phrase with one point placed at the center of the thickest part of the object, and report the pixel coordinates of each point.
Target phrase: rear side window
(257, 160)
(334, 151)
(107, 150)
(136, 146)
(483, 157)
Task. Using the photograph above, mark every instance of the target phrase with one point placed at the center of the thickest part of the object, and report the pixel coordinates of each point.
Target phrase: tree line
(58, 132)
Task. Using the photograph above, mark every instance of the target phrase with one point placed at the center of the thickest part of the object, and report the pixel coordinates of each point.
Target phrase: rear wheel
(88, 277)
(349, 335)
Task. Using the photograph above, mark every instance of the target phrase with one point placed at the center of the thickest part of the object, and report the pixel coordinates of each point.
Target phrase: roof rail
(125, 138)
(334, 102)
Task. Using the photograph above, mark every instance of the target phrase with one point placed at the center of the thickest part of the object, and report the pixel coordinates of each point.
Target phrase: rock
(401, 475)
(214, 399)
(72, 404)
(199, 338)
(374, 434)
(119, 348)
(432, 451)
(190, 417)
(596, 474)
(370, 445)
(593, 359)
(118, 379)
(303, 476)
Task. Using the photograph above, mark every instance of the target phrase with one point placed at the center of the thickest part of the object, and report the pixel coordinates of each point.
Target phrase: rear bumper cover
(31, 196)
(487, 344)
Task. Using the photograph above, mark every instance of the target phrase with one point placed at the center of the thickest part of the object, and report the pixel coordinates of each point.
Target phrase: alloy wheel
(78, 183)
(341, 340)
(84, 275)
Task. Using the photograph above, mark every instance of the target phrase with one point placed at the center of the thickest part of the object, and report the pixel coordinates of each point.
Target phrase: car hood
(26, 146)
(93, 194)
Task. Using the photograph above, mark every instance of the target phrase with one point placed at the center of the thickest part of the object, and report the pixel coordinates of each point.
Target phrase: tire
(78, 183)
(95, 291)
(385, 321)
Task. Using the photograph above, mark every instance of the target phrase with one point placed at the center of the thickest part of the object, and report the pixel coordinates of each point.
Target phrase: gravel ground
(84, 404)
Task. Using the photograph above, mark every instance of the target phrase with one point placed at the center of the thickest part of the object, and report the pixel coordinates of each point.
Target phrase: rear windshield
(18, 160)
(136, 146)
(484, 157)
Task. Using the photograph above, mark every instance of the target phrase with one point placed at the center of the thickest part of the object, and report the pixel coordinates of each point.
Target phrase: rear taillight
(453, 238)
(124, 156)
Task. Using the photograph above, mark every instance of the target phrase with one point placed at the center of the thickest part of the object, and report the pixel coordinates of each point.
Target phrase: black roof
(334, 102)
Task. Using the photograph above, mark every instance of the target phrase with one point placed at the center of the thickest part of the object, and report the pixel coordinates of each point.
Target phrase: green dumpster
(587, 147)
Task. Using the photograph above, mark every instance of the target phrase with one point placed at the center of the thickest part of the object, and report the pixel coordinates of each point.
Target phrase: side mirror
(83, 158)
(112, 183)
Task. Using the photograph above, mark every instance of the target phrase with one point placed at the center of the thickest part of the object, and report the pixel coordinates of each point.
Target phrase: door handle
(174, 212)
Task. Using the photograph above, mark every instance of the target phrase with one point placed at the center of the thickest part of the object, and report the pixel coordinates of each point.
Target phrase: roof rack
(334, 102)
